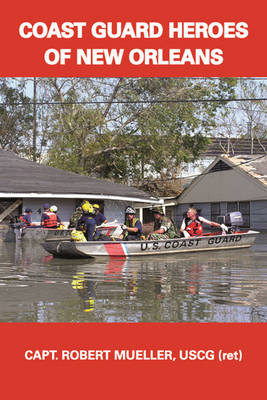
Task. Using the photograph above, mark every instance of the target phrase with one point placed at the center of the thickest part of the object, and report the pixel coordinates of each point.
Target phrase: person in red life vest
(26, 217)
(192, 224)
(54, 210)
(48, 218)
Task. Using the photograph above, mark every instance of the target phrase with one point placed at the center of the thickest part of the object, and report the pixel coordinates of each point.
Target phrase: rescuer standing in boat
(164, 228)
(87, 222)
(132, 228)
(192, 224)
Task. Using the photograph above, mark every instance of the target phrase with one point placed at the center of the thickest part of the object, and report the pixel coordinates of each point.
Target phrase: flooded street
(221, 286)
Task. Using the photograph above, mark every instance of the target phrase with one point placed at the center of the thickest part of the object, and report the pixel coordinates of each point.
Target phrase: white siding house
(35, 184)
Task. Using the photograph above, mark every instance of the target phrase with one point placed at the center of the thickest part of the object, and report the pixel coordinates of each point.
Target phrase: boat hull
(41, 234)
(69, 249)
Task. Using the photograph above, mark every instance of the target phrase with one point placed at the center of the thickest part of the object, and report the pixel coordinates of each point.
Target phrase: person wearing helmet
(99, 217)
(87, 222)
(164, 228)
(132, 228)
(48, 218)
(76, 215)
(54, 210)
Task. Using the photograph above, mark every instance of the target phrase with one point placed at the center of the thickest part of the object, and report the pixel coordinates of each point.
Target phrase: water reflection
(208, 287)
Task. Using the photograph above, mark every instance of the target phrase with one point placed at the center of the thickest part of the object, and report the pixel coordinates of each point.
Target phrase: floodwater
(223, 286)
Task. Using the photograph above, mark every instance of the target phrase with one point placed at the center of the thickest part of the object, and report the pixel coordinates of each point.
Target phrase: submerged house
(26, 184)
(228, 184)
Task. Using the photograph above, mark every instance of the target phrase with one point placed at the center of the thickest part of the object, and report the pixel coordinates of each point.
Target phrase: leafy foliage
(15, 121)
(132, 134)
(124, 129)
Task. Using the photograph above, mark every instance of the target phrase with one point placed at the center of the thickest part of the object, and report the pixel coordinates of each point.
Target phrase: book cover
(122, 327)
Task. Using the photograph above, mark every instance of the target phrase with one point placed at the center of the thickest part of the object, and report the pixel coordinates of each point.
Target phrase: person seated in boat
(54, 209)
(48, 218)
(99, 217)
(87, 222)
(192, 224)
(132, 228)
(164, 227)
(76, 215)
(26, 217)
(46, 207)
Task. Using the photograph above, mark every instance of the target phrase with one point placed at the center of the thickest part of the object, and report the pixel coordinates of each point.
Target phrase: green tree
(131, 131)
(15, 118)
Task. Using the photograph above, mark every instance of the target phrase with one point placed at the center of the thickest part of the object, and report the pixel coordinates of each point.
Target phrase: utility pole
(250, 135)
(34, 125)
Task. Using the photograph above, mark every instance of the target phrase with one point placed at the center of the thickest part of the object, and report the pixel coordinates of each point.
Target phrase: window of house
(243, 207)
(215, 211)
(232, 206)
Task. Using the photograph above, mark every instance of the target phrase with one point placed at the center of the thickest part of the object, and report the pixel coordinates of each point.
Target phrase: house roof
(21, 178)
(233, 146)
(239, 178)
(254, 165)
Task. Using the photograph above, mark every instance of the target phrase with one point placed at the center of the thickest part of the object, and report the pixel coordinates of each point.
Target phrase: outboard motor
(233, 220)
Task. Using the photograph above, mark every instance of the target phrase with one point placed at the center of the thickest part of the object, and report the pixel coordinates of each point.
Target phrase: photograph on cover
(133, 199)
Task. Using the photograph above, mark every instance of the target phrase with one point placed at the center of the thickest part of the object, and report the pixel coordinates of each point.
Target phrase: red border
(25, 57)
(155, 379)
(143, 379)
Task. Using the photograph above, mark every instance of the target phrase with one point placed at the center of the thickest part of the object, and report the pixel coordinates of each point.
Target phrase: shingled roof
(254, 165)
(22, 176)
(234, 146)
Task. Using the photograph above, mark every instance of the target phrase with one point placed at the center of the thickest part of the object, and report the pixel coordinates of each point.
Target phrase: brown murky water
(223, 286)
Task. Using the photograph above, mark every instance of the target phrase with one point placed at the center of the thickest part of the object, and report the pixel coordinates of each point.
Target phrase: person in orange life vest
(48, 218)
(26, 217)
(54, 210)
(192, 224)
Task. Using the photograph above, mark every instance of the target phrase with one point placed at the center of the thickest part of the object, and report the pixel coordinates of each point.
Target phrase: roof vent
(220, 166)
